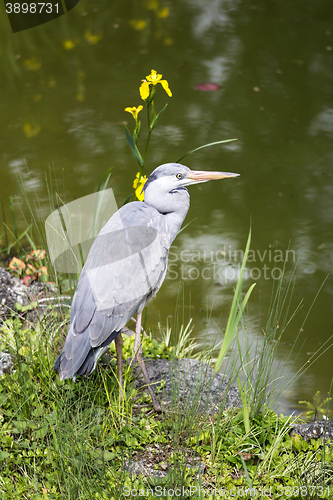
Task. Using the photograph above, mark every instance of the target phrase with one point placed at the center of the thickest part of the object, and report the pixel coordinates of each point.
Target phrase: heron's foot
(119, 350)
(139, 357)
(156, 403)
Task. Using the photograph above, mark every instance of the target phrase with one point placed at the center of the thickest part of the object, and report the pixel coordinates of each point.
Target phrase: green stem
(148, 138)
(153, 110)
(149, 130)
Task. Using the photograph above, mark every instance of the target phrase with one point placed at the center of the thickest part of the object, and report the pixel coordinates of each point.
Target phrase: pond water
(65, 85)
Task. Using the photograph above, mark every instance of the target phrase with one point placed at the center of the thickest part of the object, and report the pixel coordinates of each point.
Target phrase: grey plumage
(126, 266)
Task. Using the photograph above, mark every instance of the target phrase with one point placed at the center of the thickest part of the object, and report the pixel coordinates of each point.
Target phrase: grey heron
(125, 268)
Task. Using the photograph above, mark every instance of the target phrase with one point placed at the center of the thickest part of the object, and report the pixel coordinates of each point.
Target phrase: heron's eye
(179, 176)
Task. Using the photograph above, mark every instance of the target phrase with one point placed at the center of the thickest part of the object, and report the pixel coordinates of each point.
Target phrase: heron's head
(165, 188)
(170, 177)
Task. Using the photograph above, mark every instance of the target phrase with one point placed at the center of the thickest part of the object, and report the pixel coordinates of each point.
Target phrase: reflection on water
(65, 86)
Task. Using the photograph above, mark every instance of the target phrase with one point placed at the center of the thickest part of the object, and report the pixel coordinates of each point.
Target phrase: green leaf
(315, 444)
(136, 133)
(236, 311)
(11, 205)
(297, 441)
(205, 146)
(108, 455)
(249, 482)
(24, 232)
(29, 307)
(4, 454)
(17, 239)
(133, 146)
(151, 96)
(130, 440)
(128, 199)
(21, 425)
(41, 433)
(184, 227)
(153, 114)
(157, 117)
(106, 176)
(246, 411)
(4, 223)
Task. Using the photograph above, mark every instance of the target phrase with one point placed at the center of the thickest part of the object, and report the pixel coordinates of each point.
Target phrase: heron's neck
(173, 206)
(173, 222)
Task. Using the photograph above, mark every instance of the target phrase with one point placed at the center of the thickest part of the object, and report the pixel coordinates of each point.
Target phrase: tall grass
(237, 310)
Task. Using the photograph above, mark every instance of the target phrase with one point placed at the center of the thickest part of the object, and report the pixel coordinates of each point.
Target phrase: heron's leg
(139, 357)
(119, 350)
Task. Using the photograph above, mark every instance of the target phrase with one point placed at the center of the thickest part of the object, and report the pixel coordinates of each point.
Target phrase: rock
(46, 294)
(156, 461)
(188, 385)
(6, 362)
(183, 386)
(12, 290)
(314, 430)
(38, 290)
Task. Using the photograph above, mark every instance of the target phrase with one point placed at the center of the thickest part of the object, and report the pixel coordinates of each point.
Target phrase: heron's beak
(194, 177)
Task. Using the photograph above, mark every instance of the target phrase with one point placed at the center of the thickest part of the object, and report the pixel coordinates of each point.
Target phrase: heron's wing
(125, 266)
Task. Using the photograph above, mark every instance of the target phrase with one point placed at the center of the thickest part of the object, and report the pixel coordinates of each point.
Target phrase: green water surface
(64, 87)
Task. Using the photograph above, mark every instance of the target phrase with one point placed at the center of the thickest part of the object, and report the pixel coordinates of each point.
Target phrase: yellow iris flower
(31, 130)
(151, 4)
(144, 90)
(134, 111)
(92, 39)
(138, 24)
(153, 79)
(32, 64)
(163, 13)
(138, 185)
(69, 44)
